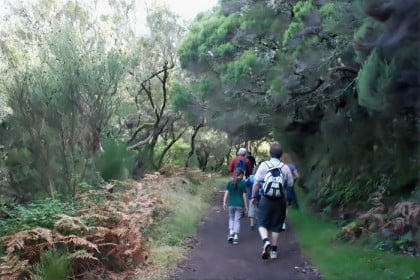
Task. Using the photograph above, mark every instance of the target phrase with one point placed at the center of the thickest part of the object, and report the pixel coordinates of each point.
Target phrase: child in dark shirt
(235, 200)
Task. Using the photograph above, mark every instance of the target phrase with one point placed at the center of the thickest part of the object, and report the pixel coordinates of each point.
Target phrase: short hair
(275, 150)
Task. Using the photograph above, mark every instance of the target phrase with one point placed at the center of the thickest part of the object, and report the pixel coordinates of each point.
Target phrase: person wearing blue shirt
(252, 211)
(291, 194)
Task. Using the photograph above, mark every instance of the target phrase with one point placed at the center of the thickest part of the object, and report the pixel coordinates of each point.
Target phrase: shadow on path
(214, 258)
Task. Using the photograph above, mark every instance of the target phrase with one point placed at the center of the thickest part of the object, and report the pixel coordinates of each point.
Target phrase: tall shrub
(61, 101)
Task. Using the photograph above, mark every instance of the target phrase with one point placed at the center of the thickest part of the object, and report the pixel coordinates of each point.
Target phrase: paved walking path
(213, 258)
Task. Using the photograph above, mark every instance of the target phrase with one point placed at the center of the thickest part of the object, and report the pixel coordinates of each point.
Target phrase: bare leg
(263, 232)
(274, 238)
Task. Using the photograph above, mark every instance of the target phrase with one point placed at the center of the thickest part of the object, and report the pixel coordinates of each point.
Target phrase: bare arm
(245, 197)
(296, 175)
(255, 188)
(225, 197)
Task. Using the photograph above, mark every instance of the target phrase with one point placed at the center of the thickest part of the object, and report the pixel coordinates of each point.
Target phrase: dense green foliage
(60, 104)
(40, 212)
(324, 78)
(76, 104)
(339, 261)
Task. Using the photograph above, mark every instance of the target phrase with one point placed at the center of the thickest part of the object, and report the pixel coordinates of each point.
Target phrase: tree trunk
(203, 160)
(168, 147)
(192, 151)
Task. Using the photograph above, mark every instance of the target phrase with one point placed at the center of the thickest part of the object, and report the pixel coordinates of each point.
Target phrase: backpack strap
(280, 166)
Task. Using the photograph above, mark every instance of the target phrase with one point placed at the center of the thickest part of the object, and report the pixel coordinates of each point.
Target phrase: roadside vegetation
(320, 241)
(187, 200)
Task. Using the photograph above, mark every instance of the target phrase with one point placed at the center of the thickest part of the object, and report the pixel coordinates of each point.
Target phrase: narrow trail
(213, 258)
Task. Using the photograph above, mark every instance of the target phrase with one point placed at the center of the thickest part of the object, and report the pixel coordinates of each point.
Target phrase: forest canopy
(335, 81)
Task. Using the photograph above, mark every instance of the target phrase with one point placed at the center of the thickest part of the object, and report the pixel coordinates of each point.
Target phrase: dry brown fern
(70, 224)
(12, 267)
(112, 242)
(370, 221)
(83, 256)
(409, 211)
(398, 225)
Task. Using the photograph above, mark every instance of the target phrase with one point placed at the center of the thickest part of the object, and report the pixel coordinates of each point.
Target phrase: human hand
(224, 206)
(254, 201)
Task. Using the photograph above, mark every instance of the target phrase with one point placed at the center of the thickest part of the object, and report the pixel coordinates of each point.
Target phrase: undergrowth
(120, 230)
(187, 201)
(103, 238)
(341, 259)
(37, 213)
(53, 265)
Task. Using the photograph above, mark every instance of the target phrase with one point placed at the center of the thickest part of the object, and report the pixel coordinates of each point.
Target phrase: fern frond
(83, 256)
(70, 224)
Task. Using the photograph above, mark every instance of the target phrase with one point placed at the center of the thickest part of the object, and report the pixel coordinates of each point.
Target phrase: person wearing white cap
(240, 161)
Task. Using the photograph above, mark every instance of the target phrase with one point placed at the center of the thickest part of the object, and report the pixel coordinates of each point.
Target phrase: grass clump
(187, 203)
(53, 265)
(338, 260)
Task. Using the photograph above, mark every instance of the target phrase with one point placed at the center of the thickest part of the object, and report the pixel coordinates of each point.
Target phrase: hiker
(252, 211)
(291, 195)
(235, 200)
(241, 162)
(251, 159)
(274, 176)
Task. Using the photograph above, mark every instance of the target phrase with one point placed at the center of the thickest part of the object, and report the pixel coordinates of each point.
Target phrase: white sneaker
(266, 250)
(230, 238)
(273, 255)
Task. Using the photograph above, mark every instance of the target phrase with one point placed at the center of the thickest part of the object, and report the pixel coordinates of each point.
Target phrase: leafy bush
(19, 163)
(38, 213)
(177, 155)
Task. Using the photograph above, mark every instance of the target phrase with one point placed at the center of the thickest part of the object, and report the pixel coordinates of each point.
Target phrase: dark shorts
(271, 213)
(291, 195)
